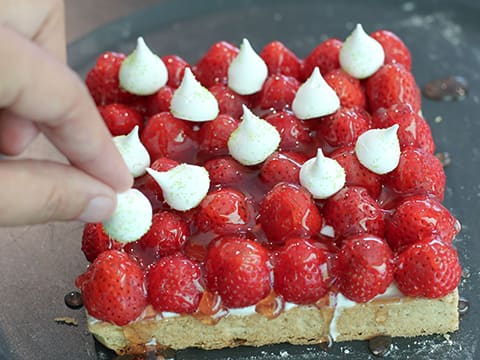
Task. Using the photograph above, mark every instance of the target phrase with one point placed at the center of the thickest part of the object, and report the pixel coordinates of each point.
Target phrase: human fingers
(40, 191)
(16, 133)
(36, 86)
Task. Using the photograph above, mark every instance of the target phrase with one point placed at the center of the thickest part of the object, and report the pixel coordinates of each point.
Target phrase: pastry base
(405, 317)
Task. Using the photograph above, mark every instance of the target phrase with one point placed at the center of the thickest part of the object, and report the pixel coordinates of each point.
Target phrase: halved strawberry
(281, 60)
(282, 166)
(213, 66)
(229, 102)
(176, 68)
(325, 56)
(348, 89)
(213, 135)
(396, 52)
(225, 170)
(160, 101)
(278, 92)
(294, 136)
(95, 241)
(120, 119)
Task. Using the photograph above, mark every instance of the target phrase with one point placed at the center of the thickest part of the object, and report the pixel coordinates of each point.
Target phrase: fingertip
(98, 209)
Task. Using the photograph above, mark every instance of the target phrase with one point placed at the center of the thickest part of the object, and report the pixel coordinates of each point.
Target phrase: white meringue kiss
(254, 140)
(379, 149)
(131, 219)
(322, 176)
(193, 102)
(315, 98)
(184, 186)
(142, 72)
(361, 55)
(247, 72)
(133, 152)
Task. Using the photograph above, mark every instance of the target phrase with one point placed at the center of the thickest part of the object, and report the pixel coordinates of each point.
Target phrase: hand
(39, 93)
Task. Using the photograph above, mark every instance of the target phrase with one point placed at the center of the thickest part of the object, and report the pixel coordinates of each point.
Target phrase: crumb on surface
(67, 320)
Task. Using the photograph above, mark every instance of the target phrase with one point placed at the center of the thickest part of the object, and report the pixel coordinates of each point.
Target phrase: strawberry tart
(276, 200)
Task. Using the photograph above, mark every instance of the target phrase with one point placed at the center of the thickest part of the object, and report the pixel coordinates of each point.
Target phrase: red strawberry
(238, 270)
(282, 166)
(175, 67)
(343, 127)
(301, 271)
(213, 66)
(413, 131)
(225, 211)
(288, 210)
(213, 135)
(325, 56)
(166, 236)
(392, 84)
(102, 80)
(348, 89)
(356, 173)
(160, 101)
(167, 136)
(226, 170)
(352, 211)
(428, 269)
(278, 92)
(418, 172)
(113, 288)
(173, 284)
(120, 119)
(365, 265)
(95, 241)
(229, 102)
(281, 60)
(396, 52)
(420, 218)
(293, 134)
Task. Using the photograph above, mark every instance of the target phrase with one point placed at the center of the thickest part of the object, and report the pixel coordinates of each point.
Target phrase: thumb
(40, 191)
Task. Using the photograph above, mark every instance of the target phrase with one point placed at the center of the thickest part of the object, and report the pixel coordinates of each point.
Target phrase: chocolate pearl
(447, 89)
(380, 345)
(463, 305)
(444, 158)
(73, 300)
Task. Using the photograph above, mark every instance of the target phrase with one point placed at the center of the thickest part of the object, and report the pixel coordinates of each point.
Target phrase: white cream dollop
(184, 186)
(193, 102)
(315, 98)
(131, 219)
(379, 149)
(247, 72)
(361, 55)
(142, 72)
(133, 152)
(322, 176)
(254, 140)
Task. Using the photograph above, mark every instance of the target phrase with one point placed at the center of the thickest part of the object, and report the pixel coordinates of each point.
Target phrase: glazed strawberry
(102, 80)
(173, 285)
(95, 241)
(288, 210)
(213, 135)
(229, 102)
(343, 127)
(281, 60)
(356, 173)
(167, 235)
(160, 101)
(167, 136)
(120, 119)
(392, 84)
(225, 170)
(113, 288)
(365, 266)
(213, 66)
(293, 134)
(353, 211)
(428, 269)
(278, 92)
(282, 167)
(225, 211)
(301, 272)
(175, 67)
(418, 172)
(396, 52)
(325, 56)
(348, 89)
(413, 131)
(418, 219)
(237, 269)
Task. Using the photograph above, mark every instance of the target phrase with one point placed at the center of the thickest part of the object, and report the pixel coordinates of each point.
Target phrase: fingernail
(98, 209)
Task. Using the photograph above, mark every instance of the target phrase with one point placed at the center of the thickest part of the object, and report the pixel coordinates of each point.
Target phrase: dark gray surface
(39, 264)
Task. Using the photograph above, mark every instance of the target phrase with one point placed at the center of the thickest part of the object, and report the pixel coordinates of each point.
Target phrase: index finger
(37, 86)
